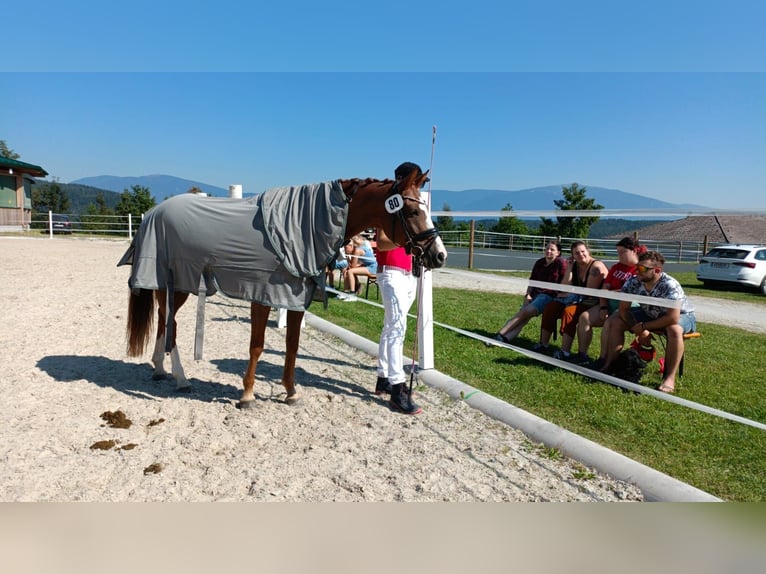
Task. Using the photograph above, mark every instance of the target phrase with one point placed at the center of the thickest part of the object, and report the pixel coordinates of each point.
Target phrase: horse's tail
(140, 321)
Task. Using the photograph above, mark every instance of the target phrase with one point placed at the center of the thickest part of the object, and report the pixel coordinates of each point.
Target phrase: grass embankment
(724, 369)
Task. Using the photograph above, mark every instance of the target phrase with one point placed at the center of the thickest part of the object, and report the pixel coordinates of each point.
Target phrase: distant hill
(160, 186)
(540, 198)
(532, 199)
(81, 196)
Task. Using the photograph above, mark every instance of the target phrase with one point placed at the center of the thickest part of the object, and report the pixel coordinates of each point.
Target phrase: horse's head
(396, 207)
(412, 226)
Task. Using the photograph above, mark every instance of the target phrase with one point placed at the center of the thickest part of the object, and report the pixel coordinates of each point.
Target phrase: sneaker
(350, 297)
(597, 365)
(561, 355)
(540, 348)
(579, 359)
(402, 402)
(382, 386)
(499, 338)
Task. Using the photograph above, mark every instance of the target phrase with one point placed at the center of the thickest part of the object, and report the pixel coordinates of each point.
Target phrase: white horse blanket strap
(271, 249)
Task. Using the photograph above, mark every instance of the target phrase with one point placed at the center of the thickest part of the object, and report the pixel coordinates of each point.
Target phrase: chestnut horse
(394, 206)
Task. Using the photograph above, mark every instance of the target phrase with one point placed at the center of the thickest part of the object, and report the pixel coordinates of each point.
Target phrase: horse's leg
(293, 337)
(259, 316)
(158, 355)
(159, 347)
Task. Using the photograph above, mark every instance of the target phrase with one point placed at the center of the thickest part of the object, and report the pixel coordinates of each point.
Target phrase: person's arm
(670, 317)
(384, 243)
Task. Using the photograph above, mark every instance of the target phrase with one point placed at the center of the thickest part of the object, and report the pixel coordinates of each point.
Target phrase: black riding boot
(401, 401)
(382, 386)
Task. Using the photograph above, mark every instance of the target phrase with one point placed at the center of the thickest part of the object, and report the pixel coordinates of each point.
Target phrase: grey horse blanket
(272, 248)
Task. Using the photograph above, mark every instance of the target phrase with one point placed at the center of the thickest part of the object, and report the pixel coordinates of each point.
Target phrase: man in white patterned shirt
(651, 281)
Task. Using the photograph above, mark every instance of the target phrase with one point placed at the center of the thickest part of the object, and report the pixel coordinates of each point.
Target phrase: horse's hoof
(186, 389)
(246, 405)
(160, 376)
(292, 399)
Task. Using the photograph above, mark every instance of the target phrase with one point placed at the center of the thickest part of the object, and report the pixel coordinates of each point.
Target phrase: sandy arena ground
(64, 369)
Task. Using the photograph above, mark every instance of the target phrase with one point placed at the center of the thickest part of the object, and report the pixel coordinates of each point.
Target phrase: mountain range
(532, 199)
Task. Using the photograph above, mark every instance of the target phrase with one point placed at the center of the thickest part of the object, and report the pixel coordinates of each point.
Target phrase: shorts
(540, 301)
(688, 321)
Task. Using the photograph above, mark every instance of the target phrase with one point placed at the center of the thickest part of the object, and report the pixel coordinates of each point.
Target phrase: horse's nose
(441, 257)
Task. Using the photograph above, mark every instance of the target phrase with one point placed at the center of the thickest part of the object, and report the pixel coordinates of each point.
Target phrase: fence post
(130, 226)
(470, 243)
(50, 224)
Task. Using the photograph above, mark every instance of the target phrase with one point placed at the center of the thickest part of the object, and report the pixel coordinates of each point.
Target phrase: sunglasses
(644, 268)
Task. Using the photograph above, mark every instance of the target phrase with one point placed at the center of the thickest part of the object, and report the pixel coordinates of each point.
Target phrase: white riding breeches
(397, 291)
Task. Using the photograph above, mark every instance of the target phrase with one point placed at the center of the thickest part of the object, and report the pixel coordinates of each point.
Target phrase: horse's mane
(368, 181)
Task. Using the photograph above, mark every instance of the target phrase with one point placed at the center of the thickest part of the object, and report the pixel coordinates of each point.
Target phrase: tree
(445, 222)
(50, 197)
(98, 215)
(6, 152)
(510, 225)
(574, 227)
(137, 200)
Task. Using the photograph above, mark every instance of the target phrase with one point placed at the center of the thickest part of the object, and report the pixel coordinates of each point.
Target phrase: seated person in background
(340, 264)
(550, 269)
(628, 250)
(362, 263)
(651, 281)
(585, 271)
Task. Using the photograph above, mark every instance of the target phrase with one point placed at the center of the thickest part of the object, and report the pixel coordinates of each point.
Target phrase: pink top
(396, 257)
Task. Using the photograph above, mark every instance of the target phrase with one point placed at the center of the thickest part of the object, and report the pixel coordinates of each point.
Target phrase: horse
(191, 264)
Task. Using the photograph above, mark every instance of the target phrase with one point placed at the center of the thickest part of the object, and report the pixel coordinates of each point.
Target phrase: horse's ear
(422, 180)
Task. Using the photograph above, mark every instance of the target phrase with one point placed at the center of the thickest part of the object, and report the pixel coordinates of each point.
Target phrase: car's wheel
(763, 286)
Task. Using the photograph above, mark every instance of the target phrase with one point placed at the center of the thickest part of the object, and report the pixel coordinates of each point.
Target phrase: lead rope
(418, 317)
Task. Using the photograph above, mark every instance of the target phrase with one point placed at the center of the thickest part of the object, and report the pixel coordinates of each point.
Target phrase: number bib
(394, 203)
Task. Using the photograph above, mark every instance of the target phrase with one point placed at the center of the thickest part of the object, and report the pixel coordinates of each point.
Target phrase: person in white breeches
(397, 291)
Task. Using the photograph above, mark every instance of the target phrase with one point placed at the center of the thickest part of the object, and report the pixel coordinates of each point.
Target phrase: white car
(734, 264)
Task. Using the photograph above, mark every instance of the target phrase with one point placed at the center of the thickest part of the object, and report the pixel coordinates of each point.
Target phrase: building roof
(717, 229)
(22, 167)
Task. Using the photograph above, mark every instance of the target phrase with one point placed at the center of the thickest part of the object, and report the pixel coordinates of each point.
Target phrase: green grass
(724, 369)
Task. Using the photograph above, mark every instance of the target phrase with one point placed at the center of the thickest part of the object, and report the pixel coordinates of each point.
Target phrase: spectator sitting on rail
(550, 269)
(628, 250)
(651, 281)
(585, 271)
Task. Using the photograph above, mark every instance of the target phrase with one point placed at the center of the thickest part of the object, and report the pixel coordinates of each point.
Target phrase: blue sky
(664, 99)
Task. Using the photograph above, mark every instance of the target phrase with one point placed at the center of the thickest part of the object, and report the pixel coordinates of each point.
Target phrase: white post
(235, 191)
(425, 292)
(50, 224)
(130, 226)
(426, 318)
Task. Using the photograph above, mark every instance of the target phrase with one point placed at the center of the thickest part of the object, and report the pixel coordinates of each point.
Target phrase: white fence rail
(676, 251)
(107, 225)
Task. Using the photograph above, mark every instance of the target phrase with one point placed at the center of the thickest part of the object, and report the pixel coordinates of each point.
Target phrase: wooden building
(16, 181)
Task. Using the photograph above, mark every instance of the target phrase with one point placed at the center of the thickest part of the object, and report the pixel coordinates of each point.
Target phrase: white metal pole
(130, 226)
(425, 293)
(50, 224)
